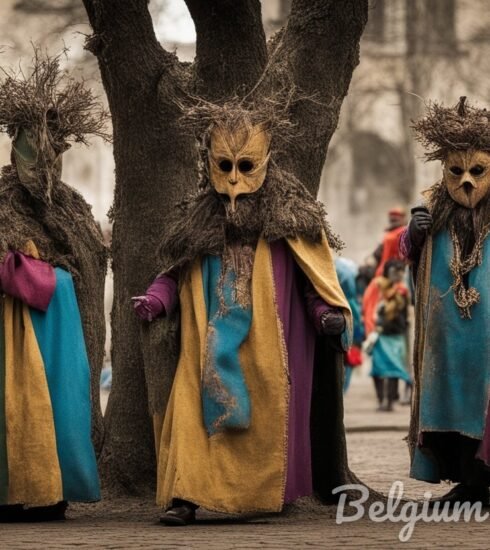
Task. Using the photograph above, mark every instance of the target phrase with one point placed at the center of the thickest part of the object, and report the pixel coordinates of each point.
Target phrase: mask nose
(233, 179)
(469, 185)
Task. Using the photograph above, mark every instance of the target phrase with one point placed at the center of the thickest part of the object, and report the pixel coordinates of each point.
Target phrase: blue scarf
(225, 396)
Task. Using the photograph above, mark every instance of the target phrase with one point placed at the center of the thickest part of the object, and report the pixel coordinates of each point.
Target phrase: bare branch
(124, 38)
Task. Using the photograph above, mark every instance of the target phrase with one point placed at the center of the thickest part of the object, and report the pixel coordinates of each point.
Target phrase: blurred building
(412, 51)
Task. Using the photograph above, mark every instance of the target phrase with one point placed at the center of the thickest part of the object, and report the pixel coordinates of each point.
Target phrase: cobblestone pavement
(377, 456)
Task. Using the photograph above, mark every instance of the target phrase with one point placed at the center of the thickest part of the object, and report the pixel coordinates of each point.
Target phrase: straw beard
(204, 224)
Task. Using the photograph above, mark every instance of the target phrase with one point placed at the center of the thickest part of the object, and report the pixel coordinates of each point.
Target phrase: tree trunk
(156, 162)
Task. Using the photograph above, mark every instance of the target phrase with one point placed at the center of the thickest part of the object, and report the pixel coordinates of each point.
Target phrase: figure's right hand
(420, 225)
(148, 307)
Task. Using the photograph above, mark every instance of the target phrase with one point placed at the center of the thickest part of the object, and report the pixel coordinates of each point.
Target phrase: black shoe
(465, 493)
(12, 513)
(181, 515)
(46, 513)
(18, 514)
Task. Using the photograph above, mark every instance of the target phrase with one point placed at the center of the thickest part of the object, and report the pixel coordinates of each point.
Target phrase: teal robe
(455, 368)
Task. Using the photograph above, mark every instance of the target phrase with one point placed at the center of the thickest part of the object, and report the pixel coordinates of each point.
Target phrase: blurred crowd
(379, 294)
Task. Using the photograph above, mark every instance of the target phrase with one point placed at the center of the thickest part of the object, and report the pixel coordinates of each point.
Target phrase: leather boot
(181, 513)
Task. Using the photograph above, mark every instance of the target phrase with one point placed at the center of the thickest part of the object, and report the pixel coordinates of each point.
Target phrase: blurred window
(376, 26)
(431, 27)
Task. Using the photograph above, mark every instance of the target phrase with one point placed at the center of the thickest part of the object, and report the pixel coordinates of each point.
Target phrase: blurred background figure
(387, 249)
(386, 331)
(390, 354)
(347, 272)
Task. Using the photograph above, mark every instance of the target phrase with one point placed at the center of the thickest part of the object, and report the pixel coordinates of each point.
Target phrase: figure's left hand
(147, 307)
(333, 322)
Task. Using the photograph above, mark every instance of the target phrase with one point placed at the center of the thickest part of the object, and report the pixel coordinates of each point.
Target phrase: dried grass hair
(457, 128)
(48, 98)
(268, 103)
(202, 222)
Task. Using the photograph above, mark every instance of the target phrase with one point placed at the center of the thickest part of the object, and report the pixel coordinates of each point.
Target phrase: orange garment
(375, 292)
(370, 302)
(391, 250)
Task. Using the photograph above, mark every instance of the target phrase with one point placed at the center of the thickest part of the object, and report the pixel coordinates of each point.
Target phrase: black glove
(333, 322)
(419, 226)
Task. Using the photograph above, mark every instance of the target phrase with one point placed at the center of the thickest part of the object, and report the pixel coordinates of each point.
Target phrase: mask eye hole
(477, 170)
(226, 165)
(245, 166)
(456, 170)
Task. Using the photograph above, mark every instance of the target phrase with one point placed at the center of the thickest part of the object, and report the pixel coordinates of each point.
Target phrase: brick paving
(377, 454)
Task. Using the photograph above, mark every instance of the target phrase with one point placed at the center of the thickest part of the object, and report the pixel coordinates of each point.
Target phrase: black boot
(18, 514)
(179, 514)
(379, 386)
(12, 513)
(47, 513)
(464, 493)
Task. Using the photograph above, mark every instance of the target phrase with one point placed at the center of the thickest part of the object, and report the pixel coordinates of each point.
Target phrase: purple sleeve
(316, 307)
(164, 289)
(30, 280)
(407, 250)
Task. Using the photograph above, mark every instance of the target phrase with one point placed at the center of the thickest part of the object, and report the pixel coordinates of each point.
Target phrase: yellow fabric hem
(33, 466)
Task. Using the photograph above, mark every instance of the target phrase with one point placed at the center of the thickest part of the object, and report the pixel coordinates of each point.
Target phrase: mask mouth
(231, 203)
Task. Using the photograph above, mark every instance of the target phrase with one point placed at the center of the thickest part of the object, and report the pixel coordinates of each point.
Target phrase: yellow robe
(241, 471)
(34, 474)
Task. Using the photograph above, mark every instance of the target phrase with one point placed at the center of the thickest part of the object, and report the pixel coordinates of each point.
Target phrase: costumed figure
(388, 250)
(347, 272)
(387, 332)
(254, 419)
(52, 270)
(447, 242)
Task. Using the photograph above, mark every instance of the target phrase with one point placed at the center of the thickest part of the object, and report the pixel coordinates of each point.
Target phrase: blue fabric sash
(60, 336)
(225, 396)
(455, 379)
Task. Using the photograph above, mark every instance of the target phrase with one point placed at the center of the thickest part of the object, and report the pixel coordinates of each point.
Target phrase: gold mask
(238, 160)
(467, 176)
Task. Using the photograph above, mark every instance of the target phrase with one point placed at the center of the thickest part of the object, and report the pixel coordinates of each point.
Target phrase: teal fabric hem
(4, 479)
(225, 396)
(390, 357)
(424, 468)
(60, 337)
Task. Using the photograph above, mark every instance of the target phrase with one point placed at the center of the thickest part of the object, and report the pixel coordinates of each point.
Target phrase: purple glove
(148, 307)
(332, 321)
(160, 298)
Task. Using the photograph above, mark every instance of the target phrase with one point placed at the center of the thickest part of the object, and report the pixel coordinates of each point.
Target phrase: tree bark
(321, 46)
(156, 161)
